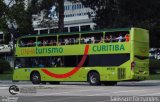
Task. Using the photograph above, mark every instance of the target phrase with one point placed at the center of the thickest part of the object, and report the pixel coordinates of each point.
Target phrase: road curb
(132, 83)
(140, 83)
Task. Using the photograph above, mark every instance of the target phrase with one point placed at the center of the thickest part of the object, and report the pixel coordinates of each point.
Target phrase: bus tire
(35, 78)
(94, 78)
(54, 82)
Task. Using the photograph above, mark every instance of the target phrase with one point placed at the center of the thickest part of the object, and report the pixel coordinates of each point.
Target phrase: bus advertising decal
(99, 48)
(115, 47)
(73, 71)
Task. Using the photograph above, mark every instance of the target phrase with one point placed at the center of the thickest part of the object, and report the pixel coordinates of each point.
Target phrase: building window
(72, 7)
(79, 6)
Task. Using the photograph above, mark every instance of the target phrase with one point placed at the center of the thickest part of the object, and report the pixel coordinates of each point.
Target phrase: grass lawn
(154, 76)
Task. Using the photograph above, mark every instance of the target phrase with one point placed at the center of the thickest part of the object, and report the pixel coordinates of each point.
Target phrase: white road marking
(2, 88)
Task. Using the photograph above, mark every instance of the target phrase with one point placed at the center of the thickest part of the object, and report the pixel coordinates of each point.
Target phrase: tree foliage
(23, 17)
(15, 12)
(127, 13)
(3, 8)
(61, 15)
(4, 65)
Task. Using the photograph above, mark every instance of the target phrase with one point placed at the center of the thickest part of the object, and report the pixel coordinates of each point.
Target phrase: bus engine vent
(121, 73)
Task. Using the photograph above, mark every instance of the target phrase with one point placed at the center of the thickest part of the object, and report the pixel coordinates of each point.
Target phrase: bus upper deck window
(45, 42)
(119, 38)
(38, 43)
(107, 39)
(30, 43)
(127, 38)
(51, 43)
(21, 43)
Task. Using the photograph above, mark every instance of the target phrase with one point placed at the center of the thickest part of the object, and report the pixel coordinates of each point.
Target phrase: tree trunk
(61, 15)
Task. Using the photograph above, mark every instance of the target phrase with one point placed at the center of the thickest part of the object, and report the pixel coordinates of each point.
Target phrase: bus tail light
(132, 66)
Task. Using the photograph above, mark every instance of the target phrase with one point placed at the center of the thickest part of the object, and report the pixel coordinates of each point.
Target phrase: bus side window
(38, 43)
(119, 38)
(41, 62)
(31, 41)
(127, 37)
(21, 43)
(66, 41)
(59, 62)
(35, 62)
(77, 40)
(122, 36)
(98, 37)
(107, 39)
(52, 62)
(101, 40)
(60, 42)
(72, 41)
(45, 42)
(18, 63)
(82, 41)
(86, 39)
(69, 39)
(51, 43)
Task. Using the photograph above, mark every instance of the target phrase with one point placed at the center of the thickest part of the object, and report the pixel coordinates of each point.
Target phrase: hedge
(154, 66)
(4, 66)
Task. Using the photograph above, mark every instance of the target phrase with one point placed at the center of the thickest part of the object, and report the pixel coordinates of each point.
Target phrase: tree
(145, 14)
(23, 18)
(3, 8)
(15, 12)
(61, 15)
(127, 13)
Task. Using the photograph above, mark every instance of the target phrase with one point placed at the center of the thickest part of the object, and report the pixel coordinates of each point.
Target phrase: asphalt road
(78, 92)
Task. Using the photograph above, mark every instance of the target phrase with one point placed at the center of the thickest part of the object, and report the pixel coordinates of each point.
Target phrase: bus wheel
(54, 82)
(35, 78)
(94, 78)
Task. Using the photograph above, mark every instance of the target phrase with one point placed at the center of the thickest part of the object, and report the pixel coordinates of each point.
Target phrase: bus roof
(70, 33)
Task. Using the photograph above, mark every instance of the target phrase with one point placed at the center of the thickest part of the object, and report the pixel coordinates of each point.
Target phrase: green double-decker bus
(98, 57)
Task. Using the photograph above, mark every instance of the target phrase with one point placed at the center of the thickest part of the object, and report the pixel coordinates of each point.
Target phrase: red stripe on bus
(73, 71)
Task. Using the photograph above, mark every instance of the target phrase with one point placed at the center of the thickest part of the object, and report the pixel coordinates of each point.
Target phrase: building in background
(76, 18)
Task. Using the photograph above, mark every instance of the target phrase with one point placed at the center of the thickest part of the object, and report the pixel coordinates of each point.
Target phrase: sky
(7, 1)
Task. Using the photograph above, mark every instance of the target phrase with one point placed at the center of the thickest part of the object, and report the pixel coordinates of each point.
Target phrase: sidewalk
(11, 82)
